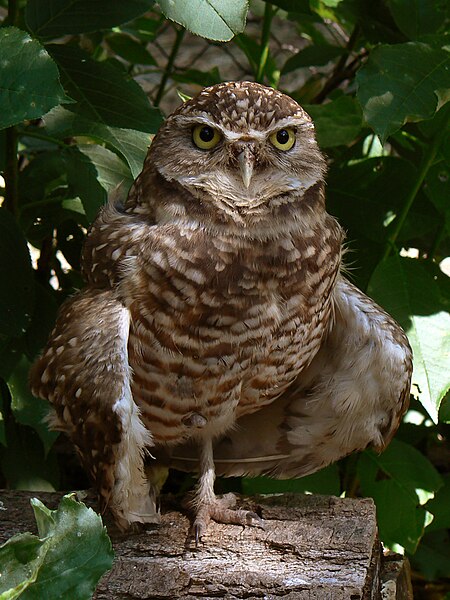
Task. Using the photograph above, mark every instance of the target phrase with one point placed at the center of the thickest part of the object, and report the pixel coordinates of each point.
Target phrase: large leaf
(312, 56)
(417, 17)
(402, 83)
(16, 275)
(27, 409)
(103, 93)
(409, 293)
(129, 143)
(67, 560)
(29, 79)
(94, 172)
(337, 122)
(399, 480)
(130, 49)
(213, 19)
(54, 18)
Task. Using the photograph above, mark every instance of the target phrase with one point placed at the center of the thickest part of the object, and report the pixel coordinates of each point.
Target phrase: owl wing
(353, 395)
(84, 372)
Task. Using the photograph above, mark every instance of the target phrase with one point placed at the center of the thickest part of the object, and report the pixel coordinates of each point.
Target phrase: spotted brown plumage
(215, 322)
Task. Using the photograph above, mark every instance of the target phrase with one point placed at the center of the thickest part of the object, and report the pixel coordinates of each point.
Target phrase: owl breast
(219, 331)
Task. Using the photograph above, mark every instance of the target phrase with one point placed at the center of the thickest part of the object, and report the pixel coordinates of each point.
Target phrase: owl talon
(220, 511)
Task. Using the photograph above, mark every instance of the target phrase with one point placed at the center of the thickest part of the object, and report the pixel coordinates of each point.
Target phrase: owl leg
(84, 373)
(208, 506)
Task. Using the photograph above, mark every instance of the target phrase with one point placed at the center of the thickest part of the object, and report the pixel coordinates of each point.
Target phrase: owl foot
(221, 510)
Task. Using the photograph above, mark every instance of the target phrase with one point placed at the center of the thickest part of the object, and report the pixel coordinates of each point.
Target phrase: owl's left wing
(84, 372)
(353, 394)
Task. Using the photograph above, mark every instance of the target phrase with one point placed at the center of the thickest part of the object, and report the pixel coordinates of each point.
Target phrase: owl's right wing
(352, 395)
(84, 372)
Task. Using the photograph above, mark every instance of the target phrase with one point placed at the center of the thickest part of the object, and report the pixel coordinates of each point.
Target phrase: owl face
(241, 145)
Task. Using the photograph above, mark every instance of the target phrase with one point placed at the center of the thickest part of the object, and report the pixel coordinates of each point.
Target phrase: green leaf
(27, 409)
(439, 506)
(410, 294)
(129, 143)
(397, 480)
(325, 481)
(25, 463)
(432, 558)
(103, 94)
(203, 78)
(337, 123)
(17, 289)
(437, 188)
(66, 561)
(94, 172)
(402, 83)
(29, 79)
(54, 18)
(128, 48)
(252, 51)
(312, 56)
(217, 20)
(417, 17)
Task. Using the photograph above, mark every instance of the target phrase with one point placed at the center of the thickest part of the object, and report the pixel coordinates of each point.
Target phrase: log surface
(312, 548)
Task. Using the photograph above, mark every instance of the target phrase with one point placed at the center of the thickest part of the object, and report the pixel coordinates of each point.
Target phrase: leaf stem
(42, 136)
(265, 37)
(11, 173)
(427, 161)
(169, 67)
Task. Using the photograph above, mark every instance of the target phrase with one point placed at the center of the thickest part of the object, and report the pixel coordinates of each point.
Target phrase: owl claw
(219, 510)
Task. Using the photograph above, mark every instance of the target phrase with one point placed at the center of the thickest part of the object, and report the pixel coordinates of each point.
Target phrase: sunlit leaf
(401, 83)
(393, 479)
(68, 558)
(29, 78)
(220, 19)
(131, 144)
(409, 293)
(94, 172)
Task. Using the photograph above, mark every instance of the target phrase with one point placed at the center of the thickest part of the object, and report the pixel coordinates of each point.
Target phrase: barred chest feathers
(221, 324)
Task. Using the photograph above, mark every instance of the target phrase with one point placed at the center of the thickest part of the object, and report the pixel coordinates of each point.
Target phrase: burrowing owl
(215, 327)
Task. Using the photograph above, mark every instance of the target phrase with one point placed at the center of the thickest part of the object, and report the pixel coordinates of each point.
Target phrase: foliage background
(83, 86)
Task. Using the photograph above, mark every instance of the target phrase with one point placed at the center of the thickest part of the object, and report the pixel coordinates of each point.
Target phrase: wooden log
(312, 548)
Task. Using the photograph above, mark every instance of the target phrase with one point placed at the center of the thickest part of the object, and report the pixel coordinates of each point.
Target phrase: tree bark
(311, 548)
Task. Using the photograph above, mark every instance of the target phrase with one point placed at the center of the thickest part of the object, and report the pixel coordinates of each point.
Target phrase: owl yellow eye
(283, 139)
(205, 137)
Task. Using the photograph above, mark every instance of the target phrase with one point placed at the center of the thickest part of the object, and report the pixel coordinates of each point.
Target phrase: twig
(340, 71)
(269, 12)
(427, 161)
(169, 67)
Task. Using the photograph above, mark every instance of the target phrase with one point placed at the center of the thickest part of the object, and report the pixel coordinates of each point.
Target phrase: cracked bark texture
(312, 548)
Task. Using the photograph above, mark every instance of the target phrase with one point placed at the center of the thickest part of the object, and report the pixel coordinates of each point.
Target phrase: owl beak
(246, 160)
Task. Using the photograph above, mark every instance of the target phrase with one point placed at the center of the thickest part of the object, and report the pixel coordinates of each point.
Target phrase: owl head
(240, 146)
